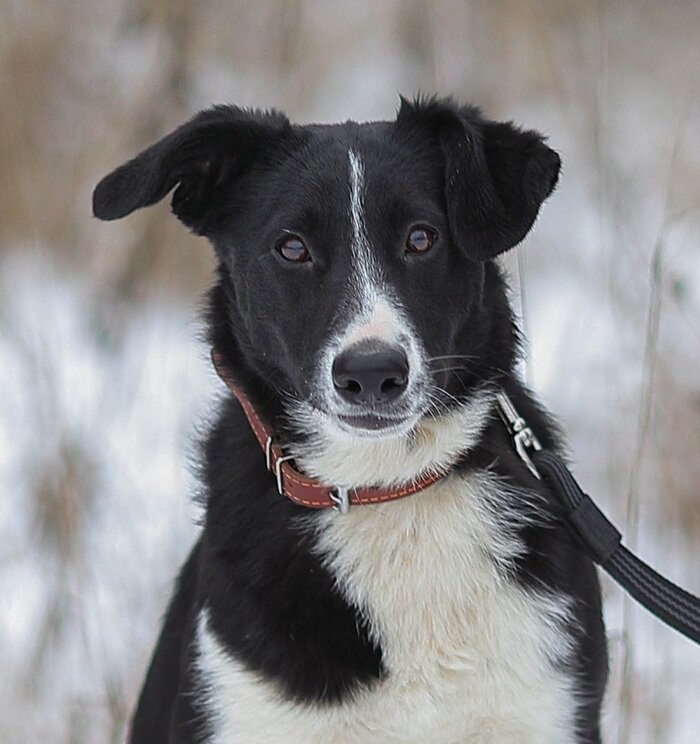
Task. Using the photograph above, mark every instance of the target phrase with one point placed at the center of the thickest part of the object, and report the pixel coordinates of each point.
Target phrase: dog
(363, 325)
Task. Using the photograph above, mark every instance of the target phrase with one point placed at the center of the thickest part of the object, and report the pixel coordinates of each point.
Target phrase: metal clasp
(341, 499)
(278, 472)
(524, 439)
(268, 453)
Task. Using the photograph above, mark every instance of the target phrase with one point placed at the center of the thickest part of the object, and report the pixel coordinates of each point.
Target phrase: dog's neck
(435, 443)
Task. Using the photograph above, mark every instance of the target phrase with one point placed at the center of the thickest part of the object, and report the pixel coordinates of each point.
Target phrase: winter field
(104, 387)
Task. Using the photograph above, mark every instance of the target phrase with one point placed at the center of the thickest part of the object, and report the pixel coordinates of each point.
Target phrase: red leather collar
(296, 486)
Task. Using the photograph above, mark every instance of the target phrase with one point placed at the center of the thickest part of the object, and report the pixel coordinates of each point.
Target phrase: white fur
(366, 274)
(471, 656)
(338, 458)
(381, 322)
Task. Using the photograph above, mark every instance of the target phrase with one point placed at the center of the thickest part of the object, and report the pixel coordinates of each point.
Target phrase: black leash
(599, 537)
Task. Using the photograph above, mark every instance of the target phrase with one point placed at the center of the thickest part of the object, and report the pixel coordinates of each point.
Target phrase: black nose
(370, 373)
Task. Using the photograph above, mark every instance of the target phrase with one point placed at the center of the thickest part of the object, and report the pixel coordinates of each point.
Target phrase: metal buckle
(278, 472)
(268, 453)
(523, 437)
(341, 499)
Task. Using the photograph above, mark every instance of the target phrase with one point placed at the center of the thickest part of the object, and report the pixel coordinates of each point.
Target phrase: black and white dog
(360, 311)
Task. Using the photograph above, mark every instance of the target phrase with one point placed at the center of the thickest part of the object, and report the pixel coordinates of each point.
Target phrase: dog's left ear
(198, 160)
(496, 175)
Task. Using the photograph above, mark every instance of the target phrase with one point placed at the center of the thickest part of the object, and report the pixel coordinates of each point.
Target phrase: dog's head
(356, 281)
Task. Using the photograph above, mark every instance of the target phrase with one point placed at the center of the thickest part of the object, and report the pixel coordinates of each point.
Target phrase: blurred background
(104, 386)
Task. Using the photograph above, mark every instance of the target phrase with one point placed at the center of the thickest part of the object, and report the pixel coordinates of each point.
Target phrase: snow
(133, 410)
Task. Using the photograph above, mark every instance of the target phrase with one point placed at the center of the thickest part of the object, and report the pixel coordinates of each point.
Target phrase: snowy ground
(80, 601)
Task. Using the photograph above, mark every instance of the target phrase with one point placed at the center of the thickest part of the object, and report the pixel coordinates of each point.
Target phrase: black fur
(242, 179)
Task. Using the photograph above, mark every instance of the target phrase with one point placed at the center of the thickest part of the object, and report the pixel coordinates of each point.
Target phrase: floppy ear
(200, 158)
(496, 175)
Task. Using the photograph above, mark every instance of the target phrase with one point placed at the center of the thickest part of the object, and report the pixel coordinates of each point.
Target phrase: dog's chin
(371, 426)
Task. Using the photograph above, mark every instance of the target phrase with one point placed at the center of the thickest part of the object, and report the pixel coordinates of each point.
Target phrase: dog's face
(355, 256)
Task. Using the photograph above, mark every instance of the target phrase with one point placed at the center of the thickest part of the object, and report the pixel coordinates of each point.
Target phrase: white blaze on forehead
(365, 270)
(377, 316)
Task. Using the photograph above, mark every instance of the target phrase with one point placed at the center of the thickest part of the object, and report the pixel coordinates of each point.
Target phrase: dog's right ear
(496, 174)
(200, 158)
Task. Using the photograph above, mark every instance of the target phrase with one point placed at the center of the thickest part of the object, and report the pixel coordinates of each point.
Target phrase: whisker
(449, 395)
(433, 410)
(438, 399)
(454, 369)
(452, 356)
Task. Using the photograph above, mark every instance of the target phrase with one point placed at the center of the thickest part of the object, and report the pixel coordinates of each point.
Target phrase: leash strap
(603, 543)
(599, 537)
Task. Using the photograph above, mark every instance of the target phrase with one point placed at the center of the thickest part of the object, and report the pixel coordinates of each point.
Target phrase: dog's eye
(292, 248)
(420, 239)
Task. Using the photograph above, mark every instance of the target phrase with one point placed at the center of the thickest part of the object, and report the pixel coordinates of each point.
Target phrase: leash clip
(524, 438)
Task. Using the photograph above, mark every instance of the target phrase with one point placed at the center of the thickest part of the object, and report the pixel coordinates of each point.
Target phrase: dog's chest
(470, 656)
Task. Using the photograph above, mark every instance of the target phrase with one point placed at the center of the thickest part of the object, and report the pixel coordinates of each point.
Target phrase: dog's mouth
(374, 426)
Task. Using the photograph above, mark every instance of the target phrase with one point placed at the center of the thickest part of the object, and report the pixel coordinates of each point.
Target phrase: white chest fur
(471, 656)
